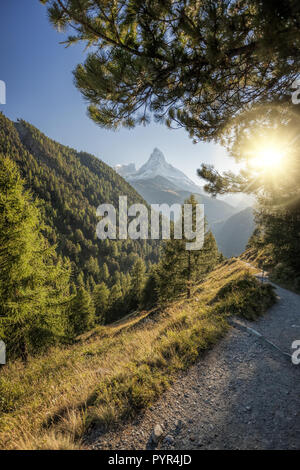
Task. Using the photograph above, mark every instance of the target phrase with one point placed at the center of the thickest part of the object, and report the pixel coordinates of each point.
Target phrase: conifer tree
(275, 186)
(34, 285)
(91, 284)
(101, 301)
(80, 279)
(115, 306)
(180, 268)
(137, 282)
(209, 256)
(150, 292)
(82, 312)
(104, 273)
(192, 63)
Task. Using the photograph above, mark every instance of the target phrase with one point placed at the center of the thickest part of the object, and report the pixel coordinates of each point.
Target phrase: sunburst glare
(268, 157)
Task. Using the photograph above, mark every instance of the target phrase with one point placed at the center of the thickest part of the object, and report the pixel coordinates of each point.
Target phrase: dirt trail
(244, 394)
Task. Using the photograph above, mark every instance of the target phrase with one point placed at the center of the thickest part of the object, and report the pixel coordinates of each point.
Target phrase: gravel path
(244, 394)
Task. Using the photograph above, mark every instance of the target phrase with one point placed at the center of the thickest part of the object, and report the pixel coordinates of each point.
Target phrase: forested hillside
(57, 278)
(70, 185)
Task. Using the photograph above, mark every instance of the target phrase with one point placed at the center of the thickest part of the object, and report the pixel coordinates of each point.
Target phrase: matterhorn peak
(157, 156)
(158, 166)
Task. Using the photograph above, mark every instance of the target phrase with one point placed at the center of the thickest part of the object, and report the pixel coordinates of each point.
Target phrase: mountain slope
(112, 372)
(233, 234)
(160, 190)
(70, 186)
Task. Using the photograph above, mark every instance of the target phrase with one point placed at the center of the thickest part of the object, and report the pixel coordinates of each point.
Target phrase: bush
(245, 297)
(283, 273)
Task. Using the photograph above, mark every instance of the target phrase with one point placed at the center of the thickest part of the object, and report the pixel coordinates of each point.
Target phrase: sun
(268, 158)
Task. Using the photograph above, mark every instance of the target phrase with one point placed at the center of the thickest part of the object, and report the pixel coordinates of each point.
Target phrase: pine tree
(180, 269)
(101, 300)
(116, 308)
(72, 289)
(170, 279)
(91, 284)
(34, 285)
(278, 234)
(209, 256)
(104, 273)
(198, 63)
(276, 187)
(150, 291)
(92, 266)
(80, 280)
(137, 282)
(82, 313)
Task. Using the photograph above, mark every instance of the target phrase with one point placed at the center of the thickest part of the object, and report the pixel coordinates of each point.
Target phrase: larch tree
(81, 313)
(34, 283)
(101, 301)
(137, 282)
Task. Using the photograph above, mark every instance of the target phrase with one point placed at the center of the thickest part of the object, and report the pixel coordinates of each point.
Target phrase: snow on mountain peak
(158, 166)
(157, 157)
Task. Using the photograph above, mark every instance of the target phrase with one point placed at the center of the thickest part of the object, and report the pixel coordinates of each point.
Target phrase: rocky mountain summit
(158, 166)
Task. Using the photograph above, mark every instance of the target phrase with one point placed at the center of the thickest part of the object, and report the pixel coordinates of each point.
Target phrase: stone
(169, 440)
(157, 433)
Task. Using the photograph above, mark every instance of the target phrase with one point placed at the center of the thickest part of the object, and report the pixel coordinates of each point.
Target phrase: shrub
(245, 297)
(283, 273)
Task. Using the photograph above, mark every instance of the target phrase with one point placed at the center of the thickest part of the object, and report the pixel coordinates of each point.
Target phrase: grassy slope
(114, 371)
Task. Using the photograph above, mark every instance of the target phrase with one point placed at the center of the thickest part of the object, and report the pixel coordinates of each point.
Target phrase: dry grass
(110, 373)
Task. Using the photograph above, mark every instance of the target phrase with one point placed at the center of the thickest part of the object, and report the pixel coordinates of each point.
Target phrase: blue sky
(37, 70)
